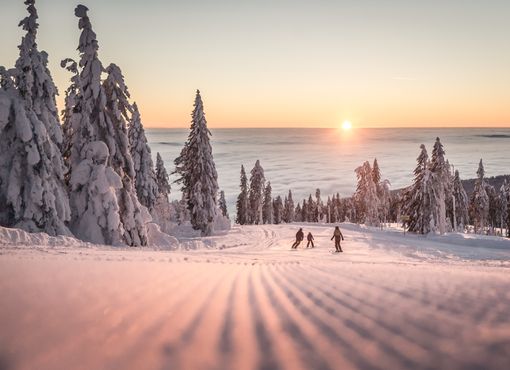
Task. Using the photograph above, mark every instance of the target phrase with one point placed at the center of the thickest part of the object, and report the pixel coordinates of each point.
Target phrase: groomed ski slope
(389, 302)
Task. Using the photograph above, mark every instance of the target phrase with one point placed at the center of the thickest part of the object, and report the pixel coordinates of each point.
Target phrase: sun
(346, 125)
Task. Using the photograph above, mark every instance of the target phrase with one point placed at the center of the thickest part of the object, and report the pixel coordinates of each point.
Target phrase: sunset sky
(292, 63)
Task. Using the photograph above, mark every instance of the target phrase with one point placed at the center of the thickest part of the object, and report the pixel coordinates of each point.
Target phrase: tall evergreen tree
(479, 203)
(267, 206)
(417, 198)
(366, 197)
(222, 203)
(505, 207)
(32, 191)
(304, 212)
(255, 195)
(71, 105)
(376, 172)
(162, 209)
(242, 216)
(311, 210)
(460, 204)
(440, 184)
(145, 176)
(298, 213)
(278, 210)
(494, 216)
(318, 209)
(101, 112)
(197, 172)
(289, 208)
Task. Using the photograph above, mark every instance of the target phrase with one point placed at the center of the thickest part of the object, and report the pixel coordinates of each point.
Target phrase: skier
(309, 237)
(299, 238)
(337, 235)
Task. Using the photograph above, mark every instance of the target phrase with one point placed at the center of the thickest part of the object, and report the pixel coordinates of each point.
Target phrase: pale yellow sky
(284, 63)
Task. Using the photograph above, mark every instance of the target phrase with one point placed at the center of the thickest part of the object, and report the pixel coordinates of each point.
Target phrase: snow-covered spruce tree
(289, 208)
(162, 211)
(94, 185)
(319, 206)
(222, 204)
(376, 172)
(494, 215)
(416, 203)
(304, 211)
(267, 206)
(242, 200)
(71, 105)
(277, 210)
(479, 202)
(366, 197)
(100, 115)
(297, 213)
(460, 204)
(255, 195)
(505, 207)
(383, 192)
(311, 210)
(116, 137)
(145, 177)
(440, 185)
(197, 172)
(32, 191)
(33, 78)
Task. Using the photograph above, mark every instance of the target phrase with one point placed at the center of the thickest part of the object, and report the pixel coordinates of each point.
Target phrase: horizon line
(334, 128)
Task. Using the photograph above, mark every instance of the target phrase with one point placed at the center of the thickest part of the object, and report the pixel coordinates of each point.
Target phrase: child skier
(309, 237)
(337, 235)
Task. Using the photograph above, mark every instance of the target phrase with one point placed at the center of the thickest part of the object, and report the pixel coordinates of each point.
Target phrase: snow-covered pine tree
(101, 112)
(34, 81)
(376, 172)
(278, 210)
(366, 197)
(460, 204)
(505, 207)
(417, 198)
(116, 137)
(329, 209)
(479, 202)
(32, 191)
(440, 184)
(71, 105)
(318, 207)
(494, 215)
(162, 209)
(383, 192)
(145, 176)
(95, 186)
(242, 217)
(297, 213)
(304, 212)
(267, 207)
(255, 195)
(289, 208)
(197, 172)
(222, 204)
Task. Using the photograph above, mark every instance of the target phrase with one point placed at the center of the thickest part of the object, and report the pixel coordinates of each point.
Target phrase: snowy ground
(248, 302)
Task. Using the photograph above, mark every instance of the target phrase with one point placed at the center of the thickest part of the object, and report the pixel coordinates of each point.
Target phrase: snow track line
(398, 338)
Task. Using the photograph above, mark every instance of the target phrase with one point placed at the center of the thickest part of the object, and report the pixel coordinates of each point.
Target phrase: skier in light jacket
(337, 235)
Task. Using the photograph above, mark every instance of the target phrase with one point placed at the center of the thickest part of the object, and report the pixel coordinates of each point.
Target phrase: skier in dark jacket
(299, 238)
(337, 235)
(309, 237)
